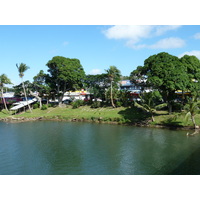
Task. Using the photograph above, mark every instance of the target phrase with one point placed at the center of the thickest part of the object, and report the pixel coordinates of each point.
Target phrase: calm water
(83, 148)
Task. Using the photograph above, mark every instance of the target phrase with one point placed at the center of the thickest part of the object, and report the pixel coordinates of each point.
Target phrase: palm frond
(21, 69)
(143, 107)
(160, 106)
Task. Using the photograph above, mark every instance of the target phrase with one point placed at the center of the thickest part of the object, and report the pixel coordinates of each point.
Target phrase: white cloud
(197, 36)
(191, 53)
(132, 33)
(95, 71)
(160, 30)
(135, 34)
(168, 43)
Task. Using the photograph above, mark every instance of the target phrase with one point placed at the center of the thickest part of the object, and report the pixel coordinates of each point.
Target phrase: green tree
(4, 80)
(18, 89)
(192, 69)
(21, 69)
(150, 102)
(114, 75)
(192, 108)
(165, 73)
(64, 74)
(96, 85)
(41, 88)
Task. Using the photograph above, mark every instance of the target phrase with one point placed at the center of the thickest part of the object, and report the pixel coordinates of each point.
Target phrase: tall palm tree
(4, 80)
(21, 69)
(114, 75)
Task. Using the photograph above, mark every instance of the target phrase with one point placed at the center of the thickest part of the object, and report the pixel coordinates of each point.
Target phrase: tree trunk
(37, 97)
(152, 117)
(60, 98)
(193, 121)
(4, 100)
(169, 107)
(26, 96)
(111, 96)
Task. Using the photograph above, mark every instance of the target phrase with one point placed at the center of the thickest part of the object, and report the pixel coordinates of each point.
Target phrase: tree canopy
(168, 73)
(64, 74)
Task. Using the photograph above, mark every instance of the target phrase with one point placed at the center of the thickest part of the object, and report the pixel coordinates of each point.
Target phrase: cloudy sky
(96, 46)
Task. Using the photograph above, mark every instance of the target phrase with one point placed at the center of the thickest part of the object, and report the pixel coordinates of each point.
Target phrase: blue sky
(96, 46)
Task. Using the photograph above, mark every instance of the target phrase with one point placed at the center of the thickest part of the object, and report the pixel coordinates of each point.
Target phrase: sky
(96, 46)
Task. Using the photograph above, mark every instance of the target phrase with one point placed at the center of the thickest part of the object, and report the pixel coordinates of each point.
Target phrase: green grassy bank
(121, 115)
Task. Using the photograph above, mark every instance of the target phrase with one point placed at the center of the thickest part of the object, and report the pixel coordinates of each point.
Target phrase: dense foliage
(168, 73)
(162, 75)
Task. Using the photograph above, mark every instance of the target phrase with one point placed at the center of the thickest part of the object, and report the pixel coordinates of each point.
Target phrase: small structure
(22, 104)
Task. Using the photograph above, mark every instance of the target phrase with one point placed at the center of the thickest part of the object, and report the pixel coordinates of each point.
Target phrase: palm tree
(148, 103)
(4, 80)
(114, 75)
(21, 69)
(192, 107)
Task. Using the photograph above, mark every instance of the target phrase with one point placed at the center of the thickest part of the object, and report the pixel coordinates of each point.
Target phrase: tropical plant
(4, 80)
(148, 103)
(21, 69)
(114, 75)
(192, 108)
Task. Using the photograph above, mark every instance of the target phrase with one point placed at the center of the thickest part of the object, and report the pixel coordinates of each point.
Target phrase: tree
(18, 89)
(114, 75)
(40, 86)
(192, 107)
(150, 102)
(96, 85)
(64, 74)
(192, 68)
(4, 80)
(165, 73)
(21, 69)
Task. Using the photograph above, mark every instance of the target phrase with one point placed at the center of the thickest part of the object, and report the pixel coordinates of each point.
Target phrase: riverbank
(121, 115)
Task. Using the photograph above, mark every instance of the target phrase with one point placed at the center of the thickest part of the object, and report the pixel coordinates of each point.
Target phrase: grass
(118, 115)
(84, 112)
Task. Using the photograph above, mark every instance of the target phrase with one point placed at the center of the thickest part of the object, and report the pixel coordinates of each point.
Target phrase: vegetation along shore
(164, 92)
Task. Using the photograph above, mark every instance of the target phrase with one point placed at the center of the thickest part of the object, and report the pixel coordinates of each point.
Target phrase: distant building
(133, 88)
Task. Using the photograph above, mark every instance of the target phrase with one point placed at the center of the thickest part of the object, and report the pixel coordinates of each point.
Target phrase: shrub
(96, 104)
(35, 106)
(77, 104)
(118, 103)
(44, 107)
(50, 105)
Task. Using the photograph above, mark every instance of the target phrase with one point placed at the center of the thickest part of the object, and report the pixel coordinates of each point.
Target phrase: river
(64, 148)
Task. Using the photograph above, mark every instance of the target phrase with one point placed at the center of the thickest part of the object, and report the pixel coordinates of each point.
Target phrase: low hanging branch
(37, 97)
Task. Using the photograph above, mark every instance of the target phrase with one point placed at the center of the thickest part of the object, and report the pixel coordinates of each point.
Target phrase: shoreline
(98, 121)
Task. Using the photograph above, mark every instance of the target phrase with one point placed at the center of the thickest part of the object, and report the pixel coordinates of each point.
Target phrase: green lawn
(119, 115)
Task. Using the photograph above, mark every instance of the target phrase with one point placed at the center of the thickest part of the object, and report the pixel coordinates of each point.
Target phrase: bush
(77, 104)
(50, 105)
(36, 105)
(96, 104)
(118, 104)
(44, 107)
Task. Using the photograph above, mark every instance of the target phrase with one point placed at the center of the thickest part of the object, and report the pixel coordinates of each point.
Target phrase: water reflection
(81, 148)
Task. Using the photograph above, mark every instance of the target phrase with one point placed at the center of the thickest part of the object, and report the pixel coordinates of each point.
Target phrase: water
(84, 148)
